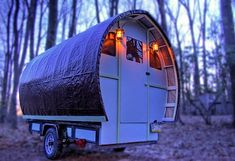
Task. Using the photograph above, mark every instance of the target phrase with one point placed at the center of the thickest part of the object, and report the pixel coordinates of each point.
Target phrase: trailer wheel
(52, 144)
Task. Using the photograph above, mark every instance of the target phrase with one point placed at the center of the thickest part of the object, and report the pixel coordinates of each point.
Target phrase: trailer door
(133, 111)
(133, 78)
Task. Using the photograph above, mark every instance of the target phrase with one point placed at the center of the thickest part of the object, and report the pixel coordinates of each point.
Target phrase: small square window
(109, 45)
(134, 50)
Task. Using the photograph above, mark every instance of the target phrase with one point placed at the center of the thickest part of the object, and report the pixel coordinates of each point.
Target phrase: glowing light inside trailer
(155, 47)
(119, 33)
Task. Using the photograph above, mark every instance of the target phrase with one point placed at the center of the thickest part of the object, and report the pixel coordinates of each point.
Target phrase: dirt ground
(193, 141)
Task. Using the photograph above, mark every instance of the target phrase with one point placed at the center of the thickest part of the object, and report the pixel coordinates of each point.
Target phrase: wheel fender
(46, 126)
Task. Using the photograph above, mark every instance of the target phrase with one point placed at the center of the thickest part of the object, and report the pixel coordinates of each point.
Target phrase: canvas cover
(64, 80)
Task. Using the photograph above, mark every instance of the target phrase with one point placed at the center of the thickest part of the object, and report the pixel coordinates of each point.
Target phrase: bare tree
(186, 5)
(17, 63)
(132, 3)
(174, 19)
(72, 29)
(97, 11)
(4, 102)
(64, 8)
(40, 36)
(229, 43)
(113, 5)
(161, 7)
(52, 24)
(12, 112)
(202, 18)
(32, 13)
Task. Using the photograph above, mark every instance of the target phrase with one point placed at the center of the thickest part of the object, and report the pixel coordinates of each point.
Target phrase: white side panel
(134, 30)
(157, 101)
(133, 93)
(108, 131)
(108, 65)
(85, 134)
(157, 77)
(132, 132)
(35, 127)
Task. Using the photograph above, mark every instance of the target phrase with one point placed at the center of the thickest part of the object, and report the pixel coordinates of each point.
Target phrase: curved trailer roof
(64, 80)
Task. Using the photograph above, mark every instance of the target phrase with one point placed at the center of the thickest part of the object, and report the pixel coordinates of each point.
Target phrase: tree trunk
(72, 29)
(174, 19)
(134, 5)
(161, 6)
(63, 27)
(52, 24)
(113, 5)
(12, 111)
(97, 11)
(203, 30)
(4, 101)
(32, 12)
(18, 65)
(229, 43)
(42, 11)
(195, 55)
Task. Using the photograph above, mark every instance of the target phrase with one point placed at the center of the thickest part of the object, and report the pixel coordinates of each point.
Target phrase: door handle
(147, 73)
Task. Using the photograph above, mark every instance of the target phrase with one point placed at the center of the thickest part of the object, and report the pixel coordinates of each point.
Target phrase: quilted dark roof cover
(64, 80)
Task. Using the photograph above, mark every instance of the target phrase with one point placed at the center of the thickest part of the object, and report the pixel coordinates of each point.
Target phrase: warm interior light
(119, 33)
(110, 36)
(155, 47)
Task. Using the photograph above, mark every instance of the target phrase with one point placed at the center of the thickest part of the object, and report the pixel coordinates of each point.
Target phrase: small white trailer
(111, 85)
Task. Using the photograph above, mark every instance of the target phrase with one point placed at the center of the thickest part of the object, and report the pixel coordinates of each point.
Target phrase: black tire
(121, 149)
(52, 144)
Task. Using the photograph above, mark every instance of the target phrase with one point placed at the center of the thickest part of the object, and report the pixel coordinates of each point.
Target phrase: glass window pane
(109, 46)
(166, 56)
(134, 50)
(154, 60)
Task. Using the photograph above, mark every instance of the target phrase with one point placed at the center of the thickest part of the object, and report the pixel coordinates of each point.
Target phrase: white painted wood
(142, 98)
(109, 91)
(108, 65)
(157, 104)
(132, 132)
(89, 135)
(35, 127)
(133, 77)
(157, 77)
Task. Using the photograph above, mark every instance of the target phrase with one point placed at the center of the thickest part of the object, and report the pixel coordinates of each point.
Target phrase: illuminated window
(154, 58)
(134, 50)
(109, 45)
(166, 56)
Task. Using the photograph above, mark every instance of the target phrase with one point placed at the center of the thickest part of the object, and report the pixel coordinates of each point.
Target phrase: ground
(193, 141)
